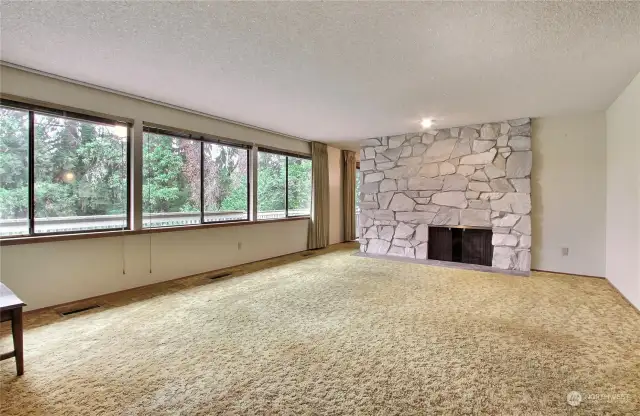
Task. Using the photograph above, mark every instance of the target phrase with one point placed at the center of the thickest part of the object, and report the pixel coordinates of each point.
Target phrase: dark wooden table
(11, 310)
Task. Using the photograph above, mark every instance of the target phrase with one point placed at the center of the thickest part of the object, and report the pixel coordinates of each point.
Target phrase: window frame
(202, 139)
(134, 167)
(32, 110)
(287, 155)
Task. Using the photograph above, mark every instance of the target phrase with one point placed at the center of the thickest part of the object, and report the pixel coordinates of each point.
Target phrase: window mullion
(201, 182)
(248, 185)
(253, 183)
(286, 186)
(32, 189)
(135, 177)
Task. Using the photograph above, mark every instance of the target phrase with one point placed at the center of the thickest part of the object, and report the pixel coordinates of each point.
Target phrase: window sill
(14, 241)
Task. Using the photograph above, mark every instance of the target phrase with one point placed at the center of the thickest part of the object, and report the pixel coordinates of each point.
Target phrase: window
(14, 171)
(66, 172)
(190, 181)
(272, 189)
(299, 186)
(284, 186)
(61, 172)
(170, 181)
(226, 183)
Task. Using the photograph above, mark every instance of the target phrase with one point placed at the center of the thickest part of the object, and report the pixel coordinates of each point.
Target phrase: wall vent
(219, 275)
(74, 311)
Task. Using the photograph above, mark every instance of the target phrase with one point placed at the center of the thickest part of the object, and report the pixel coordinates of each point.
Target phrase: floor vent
(74, 311)
(308, 254)
(219, 275)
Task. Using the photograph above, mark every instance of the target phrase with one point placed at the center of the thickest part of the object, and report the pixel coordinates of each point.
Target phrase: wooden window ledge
(14, 241)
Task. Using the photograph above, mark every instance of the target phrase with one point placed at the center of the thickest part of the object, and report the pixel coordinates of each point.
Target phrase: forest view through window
(14, 171)
(79, 173)
(177, 170)
(284, 186)
(66, 172)
(226, 183)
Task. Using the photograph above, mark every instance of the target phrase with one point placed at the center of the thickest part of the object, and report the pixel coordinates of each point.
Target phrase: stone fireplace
(461, 245)
(472, 177)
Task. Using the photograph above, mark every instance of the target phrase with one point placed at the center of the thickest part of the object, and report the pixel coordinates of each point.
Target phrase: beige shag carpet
(336, 334)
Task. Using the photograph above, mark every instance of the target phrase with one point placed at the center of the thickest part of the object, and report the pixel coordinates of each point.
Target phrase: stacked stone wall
(475, 176)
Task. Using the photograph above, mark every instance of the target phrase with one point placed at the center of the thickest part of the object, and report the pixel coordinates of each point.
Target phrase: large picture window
(284, 185)
(14, 171)
(64, 172)
(61, 172)
(170, 181)
(226, 183)
(192, 180)
(298, 186)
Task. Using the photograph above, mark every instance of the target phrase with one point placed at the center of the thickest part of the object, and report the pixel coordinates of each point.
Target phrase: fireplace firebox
(461, 245)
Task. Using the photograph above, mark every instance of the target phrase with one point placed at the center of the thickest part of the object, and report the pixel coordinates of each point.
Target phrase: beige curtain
(349, 194)
(319, 223)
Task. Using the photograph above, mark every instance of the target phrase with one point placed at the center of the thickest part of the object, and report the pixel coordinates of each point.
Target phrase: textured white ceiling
(338, 71)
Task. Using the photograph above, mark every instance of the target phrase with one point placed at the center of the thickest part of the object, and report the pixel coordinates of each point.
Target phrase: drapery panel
(349, 194)
(319, 222)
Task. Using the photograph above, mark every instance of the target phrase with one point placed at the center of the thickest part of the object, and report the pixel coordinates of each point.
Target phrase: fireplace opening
(461, 245)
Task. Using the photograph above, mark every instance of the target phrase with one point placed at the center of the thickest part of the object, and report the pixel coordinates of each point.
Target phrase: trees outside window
(272, 185)
(284, 186)
(226, 183)
(299, 186)
(176, 170)
(64, 172)
(170, 180)
(14, 171)
(79, 173)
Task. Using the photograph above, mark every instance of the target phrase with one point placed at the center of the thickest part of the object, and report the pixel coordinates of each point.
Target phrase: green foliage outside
(172, 178)
(80, 167)
(226, 178)
(271, 182)
(80, 170)
(299, 183)
(166, 183)
(14, 192)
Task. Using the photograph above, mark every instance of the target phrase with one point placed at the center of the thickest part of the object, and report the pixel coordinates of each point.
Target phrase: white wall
(336, 232)
(46, 274)
(38, 87)
(623, 193)
(568, 192)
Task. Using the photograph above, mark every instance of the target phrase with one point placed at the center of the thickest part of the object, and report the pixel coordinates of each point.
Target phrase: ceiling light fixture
(426, 123)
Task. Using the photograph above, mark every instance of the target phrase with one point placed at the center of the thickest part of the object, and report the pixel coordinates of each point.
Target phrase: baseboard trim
(594, 277)
(624, 297)
(203, 274)
(568, 274)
